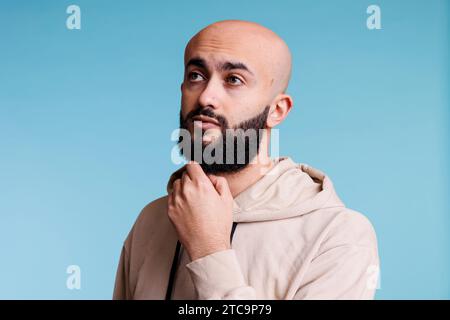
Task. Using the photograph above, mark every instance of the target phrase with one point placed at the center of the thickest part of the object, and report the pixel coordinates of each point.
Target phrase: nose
(210, 96)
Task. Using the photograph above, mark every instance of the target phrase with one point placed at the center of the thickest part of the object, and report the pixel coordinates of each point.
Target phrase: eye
(195, 77)
(234, 80)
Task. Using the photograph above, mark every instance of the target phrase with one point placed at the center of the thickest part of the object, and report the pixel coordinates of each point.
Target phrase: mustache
(208, 112)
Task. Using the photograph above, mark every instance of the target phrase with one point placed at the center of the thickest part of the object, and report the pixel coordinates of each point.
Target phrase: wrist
(198, 252)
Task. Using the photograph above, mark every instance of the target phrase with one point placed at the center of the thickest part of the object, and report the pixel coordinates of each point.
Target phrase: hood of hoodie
(285, 191)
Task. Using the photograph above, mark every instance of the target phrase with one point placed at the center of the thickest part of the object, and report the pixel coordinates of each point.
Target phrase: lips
(205, 119)
(205, 123)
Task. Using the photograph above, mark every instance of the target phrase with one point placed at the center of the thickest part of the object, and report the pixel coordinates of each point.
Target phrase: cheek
(243, 109)
(188, 102)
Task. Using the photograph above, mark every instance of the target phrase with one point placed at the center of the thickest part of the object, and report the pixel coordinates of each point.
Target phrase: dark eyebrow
(233, 66)
(225, 66)
(198, 62)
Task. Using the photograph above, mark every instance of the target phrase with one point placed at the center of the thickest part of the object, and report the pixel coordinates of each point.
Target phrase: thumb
(221, 185)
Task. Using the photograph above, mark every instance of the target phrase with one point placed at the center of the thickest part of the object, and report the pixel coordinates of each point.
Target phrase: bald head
(261, 50)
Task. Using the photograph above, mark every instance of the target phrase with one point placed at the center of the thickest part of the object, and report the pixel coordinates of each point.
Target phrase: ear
(279, 109)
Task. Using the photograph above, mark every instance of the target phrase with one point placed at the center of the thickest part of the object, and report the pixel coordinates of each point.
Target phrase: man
(265, 229)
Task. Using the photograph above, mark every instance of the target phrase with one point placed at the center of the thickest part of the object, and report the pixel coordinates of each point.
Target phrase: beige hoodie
(294, 240)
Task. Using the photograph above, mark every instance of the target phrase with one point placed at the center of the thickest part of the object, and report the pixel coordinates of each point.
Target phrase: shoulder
(152, 217)
(154, 210)
(350, 227)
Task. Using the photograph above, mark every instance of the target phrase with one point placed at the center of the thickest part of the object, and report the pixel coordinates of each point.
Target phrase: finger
(213, 179)
(195, 171)
(176, 186)
(221, 185)
(170, 199)
(171, 195)
(185, 178)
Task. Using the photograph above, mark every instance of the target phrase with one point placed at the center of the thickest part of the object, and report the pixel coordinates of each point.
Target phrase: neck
(241, 180)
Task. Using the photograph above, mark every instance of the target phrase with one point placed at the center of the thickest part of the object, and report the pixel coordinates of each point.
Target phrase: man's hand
(200, 207)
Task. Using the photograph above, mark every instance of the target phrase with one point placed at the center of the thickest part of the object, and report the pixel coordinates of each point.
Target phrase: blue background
(86, 117)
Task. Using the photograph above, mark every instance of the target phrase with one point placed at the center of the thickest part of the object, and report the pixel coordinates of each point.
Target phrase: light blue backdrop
(86, 117)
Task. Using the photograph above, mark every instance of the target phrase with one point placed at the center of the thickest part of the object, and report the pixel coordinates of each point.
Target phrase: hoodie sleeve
(345, 272)
(218, 276)
(121, 287)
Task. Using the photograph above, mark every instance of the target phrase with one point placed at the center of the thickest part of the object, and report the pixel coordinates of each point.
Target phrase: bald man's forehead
(254, 45)
(217, 51)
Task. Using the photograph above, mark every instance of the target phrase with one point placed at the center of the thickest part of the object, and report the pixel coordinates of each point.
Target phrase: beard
(243, 148)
